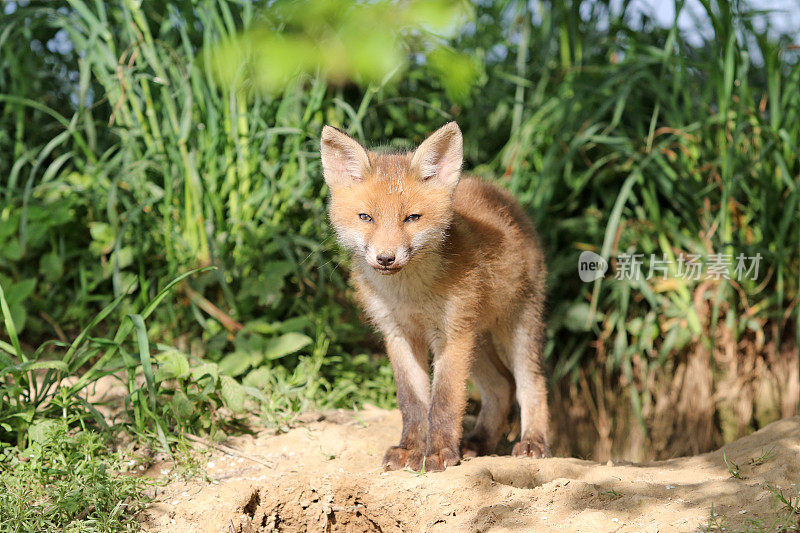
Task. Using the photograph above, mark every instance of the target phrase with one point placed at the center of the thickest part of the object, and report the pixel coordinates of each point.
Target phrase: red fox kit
(449, 267)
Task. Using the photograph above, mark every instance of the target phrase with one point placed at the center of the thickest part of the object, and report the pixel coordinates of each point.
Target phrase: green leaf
(102, 237)
(6, 350)
(258, 377)
(8, 226)
(694, 322)
(51, 266)
(236, 363)
(172, 364)
(635, 325)
(206, 369)
(144, 356)
(19, 315)
(257, 394)
(119, 261)
(11, 329)
(12, 250)
(268, 286)
(41, 430)
(181, 406)
(286, 344)
(578, 316)
(19, 291)
(457, 71)
(233, 394)
(40, 365)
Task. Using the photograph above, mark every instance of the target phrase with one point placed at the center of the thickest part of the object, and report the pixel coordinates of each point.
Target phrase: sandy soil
(326, 476)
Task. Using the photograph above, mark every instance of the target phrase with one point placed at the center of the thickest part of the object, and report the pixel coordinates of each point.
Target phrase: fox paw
(441, 459)
(535, 447)
(397, 458)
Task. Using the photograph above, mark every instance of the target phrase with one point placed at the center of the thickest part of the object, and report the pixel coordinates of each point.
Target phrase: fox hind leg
(525, 354)
(496, 387)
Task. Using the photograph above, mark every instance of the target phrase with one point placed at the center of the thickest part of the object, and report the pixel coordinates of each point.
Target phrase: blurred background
(144, 140)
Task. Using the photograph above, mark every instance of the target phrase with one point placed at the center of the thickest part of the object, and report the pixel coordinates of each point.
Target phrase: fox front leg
(410, 364)
(448, 402)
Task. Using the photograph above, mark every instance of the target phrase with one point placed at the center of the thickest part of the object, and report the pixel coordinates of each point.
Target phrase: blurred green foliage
(344, 41)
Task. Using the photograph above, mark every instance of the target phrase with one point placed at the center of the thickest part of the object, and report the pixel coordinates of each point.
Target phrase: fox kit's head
(387, 208)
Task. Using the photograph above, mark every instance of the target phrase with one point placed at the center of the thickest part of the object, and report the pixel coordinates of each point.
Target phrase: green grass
(67, 480)
(785, 519)
(766, 456)
(786, 507)
(733, 468)
(150, 165)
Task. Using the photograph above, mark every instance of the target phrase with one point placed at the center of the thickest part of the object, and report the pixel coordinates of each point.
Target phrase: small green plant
(782, 522)
(67, 479)
(733, 468)
(422, 471)
(33, 385)
(189, 461)
(789, 503)
(715, 523)
(766, 455)
(329, 456)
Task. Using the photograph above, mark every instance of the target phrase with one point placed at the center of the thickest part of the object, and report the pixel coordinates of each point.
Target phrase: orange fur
(464, 281)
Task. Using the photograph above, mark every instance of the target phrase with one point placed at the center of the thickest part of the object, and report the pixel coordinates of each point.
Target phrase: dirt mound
(326, 476)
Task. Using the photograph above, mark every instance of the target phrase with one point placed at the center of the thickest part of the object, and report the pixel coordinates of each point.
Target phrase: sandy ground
(326, 476)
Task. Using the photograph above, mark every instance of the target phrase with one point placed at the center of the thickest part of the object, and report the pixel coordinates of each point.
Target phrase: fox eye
(412, 218)
(365, 217)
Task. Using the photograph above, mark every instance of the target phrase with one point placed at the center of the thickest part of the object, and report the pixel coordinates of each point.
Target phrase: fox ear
(344, 160)
(438, 159)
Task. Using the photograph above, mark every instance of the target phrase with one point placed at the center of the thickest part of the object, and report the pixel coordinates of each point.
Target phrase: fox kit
(450, 267)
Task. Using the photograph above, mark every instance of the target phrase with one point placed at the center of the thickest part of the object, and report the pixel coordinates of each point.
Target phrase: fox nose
(385, 260)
